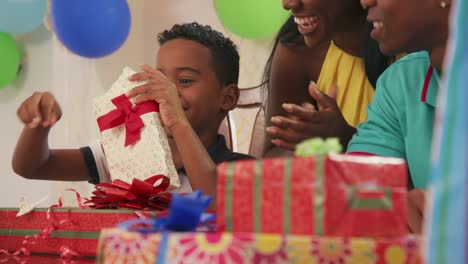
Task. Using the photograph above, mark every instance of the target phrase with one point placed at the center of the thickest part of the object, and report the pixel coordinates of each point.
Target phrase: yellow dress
(354, 90)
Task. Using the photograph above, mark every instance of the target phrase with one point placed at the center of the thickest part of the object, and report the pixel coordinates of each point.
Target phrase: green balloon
(9, 59)
(253, 19)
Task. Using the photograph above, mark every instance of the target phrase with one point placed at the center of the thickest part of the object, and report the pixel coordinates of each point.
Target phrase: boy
(195, 84)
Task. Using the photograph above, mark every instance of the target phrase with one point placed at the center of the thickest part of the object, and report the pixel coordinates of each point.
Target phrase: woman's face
(316, 19)
(406, 25)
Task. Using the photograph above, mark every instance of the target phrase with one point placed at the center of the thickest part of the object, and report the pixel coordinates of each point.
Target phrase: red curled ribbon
(7, 255)
(129, 115)
(66, 253)
(148, 194)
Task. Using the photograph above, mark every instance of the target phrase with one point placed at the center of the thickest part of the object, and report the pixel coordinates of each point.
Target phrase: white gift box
(150, 155)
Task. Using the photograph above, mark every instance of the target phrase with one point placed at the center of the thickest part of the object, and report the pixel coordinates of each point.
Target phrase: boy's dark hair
(223, 50)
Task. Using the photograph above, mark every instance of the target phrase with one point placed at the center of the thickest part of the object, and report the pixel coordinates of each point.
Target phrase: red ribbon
(15, 255)
(129, 115)
(66, 253)
(138, 195)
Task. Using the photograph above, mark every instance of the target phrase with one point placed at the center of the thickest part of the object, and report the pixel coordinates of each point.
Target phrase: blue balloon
(21, 16)
(91, 28)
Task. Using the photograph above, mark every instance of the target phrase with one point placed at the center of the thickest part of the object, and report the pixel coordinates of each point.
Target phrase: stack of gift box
(323, 209)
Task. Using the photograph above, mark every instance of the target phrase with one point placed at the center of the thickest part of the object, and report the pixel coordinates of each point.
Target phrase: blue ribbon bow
(186, 213)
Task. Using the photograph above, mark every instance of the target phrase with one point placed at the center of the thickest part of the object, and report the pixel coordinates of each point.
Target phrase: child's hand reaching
(163, 91)
(40, 109)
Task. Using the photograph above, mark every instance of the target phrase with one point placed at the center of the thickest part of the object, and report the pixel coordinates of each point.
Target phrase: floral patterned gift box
(133, 247)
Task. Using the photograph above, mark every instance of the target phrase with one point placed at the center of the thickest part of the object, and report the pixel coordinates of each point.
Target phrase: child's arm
(32, 158)
(200, 168)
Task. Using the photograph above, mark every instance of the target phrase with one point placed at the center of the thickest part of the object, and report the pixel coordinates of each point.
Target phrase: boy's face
(189, 66)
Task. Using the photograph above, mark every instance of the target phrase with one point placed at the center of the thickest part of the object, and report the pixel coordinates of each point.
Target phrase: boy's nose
(181, 96)
(179, 91)
(366, 4)
(291, 4)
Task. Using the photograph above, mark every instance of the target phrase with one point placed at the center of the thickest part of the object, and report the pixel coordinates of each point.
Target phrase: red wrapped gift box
(80, 233)
(335, 195)
(46, 259)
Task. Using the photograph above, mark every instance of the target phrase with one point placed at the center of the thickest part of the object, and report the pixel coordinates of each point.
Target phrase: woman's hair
(375, 62)
(289, 36)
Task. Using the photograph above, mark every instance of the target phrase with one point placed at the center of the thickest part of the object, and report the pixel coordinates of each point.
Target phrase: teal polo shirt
(400, 117)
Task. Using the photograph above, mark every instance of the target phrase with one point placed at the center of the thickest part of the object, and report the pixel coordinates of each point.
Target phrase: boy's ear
(230, 95)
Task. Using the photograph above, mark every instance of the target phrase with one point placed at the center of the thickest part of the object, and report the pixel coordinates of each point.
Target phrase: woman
(321, 42)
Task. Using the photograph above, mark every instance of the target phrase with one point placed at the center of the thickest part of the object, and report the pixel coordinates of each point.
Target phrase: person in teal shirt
(401, 116)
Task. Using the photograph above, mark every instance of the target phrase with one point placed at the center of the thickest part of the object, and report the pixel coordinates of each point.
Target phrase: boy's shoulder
(238, 156)
(220, 153)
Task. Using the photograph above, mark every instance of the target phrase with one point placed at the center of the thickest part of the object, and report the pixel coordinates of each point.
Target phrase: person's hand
(416, 205)
(160, 89)
(39, 110)
(306, 121)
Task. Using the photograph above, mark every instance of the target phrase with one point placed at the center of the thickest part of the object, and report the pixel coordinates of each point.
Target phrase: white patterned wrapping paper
(151, 155)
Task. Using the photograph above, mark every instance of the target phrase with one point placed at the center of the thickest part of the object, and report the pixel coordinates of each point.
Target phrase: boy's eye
(185, 81)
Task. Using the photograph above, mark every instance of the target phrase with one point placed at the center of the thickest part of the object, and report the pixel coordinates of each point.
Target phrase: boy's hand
(163, 91)
(305, 121)
(40, 109)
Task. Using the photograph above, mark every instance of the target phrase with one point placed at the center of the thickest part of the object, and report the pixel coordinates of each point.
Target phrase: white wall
(75, 81)
(36, 74)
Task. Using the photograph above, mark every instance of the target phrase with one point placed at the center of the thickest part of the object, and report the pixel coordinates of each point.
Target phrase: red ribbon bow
(138, 195)
(128, 114)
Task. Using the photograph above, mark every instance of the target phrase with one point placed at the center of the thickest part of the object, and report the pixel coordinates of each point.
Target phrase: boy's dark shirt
(218, 152)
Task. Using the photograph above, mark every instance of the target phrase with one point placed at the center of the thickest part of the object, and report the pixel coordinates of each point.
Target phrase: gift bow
(318, 146)
(186, 213)
(129, 115)
(148, 194)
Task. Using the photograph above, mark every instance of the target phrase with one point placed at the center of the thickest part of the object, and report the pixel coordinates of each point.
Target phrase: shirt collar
(431, 87)
(217, 152)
